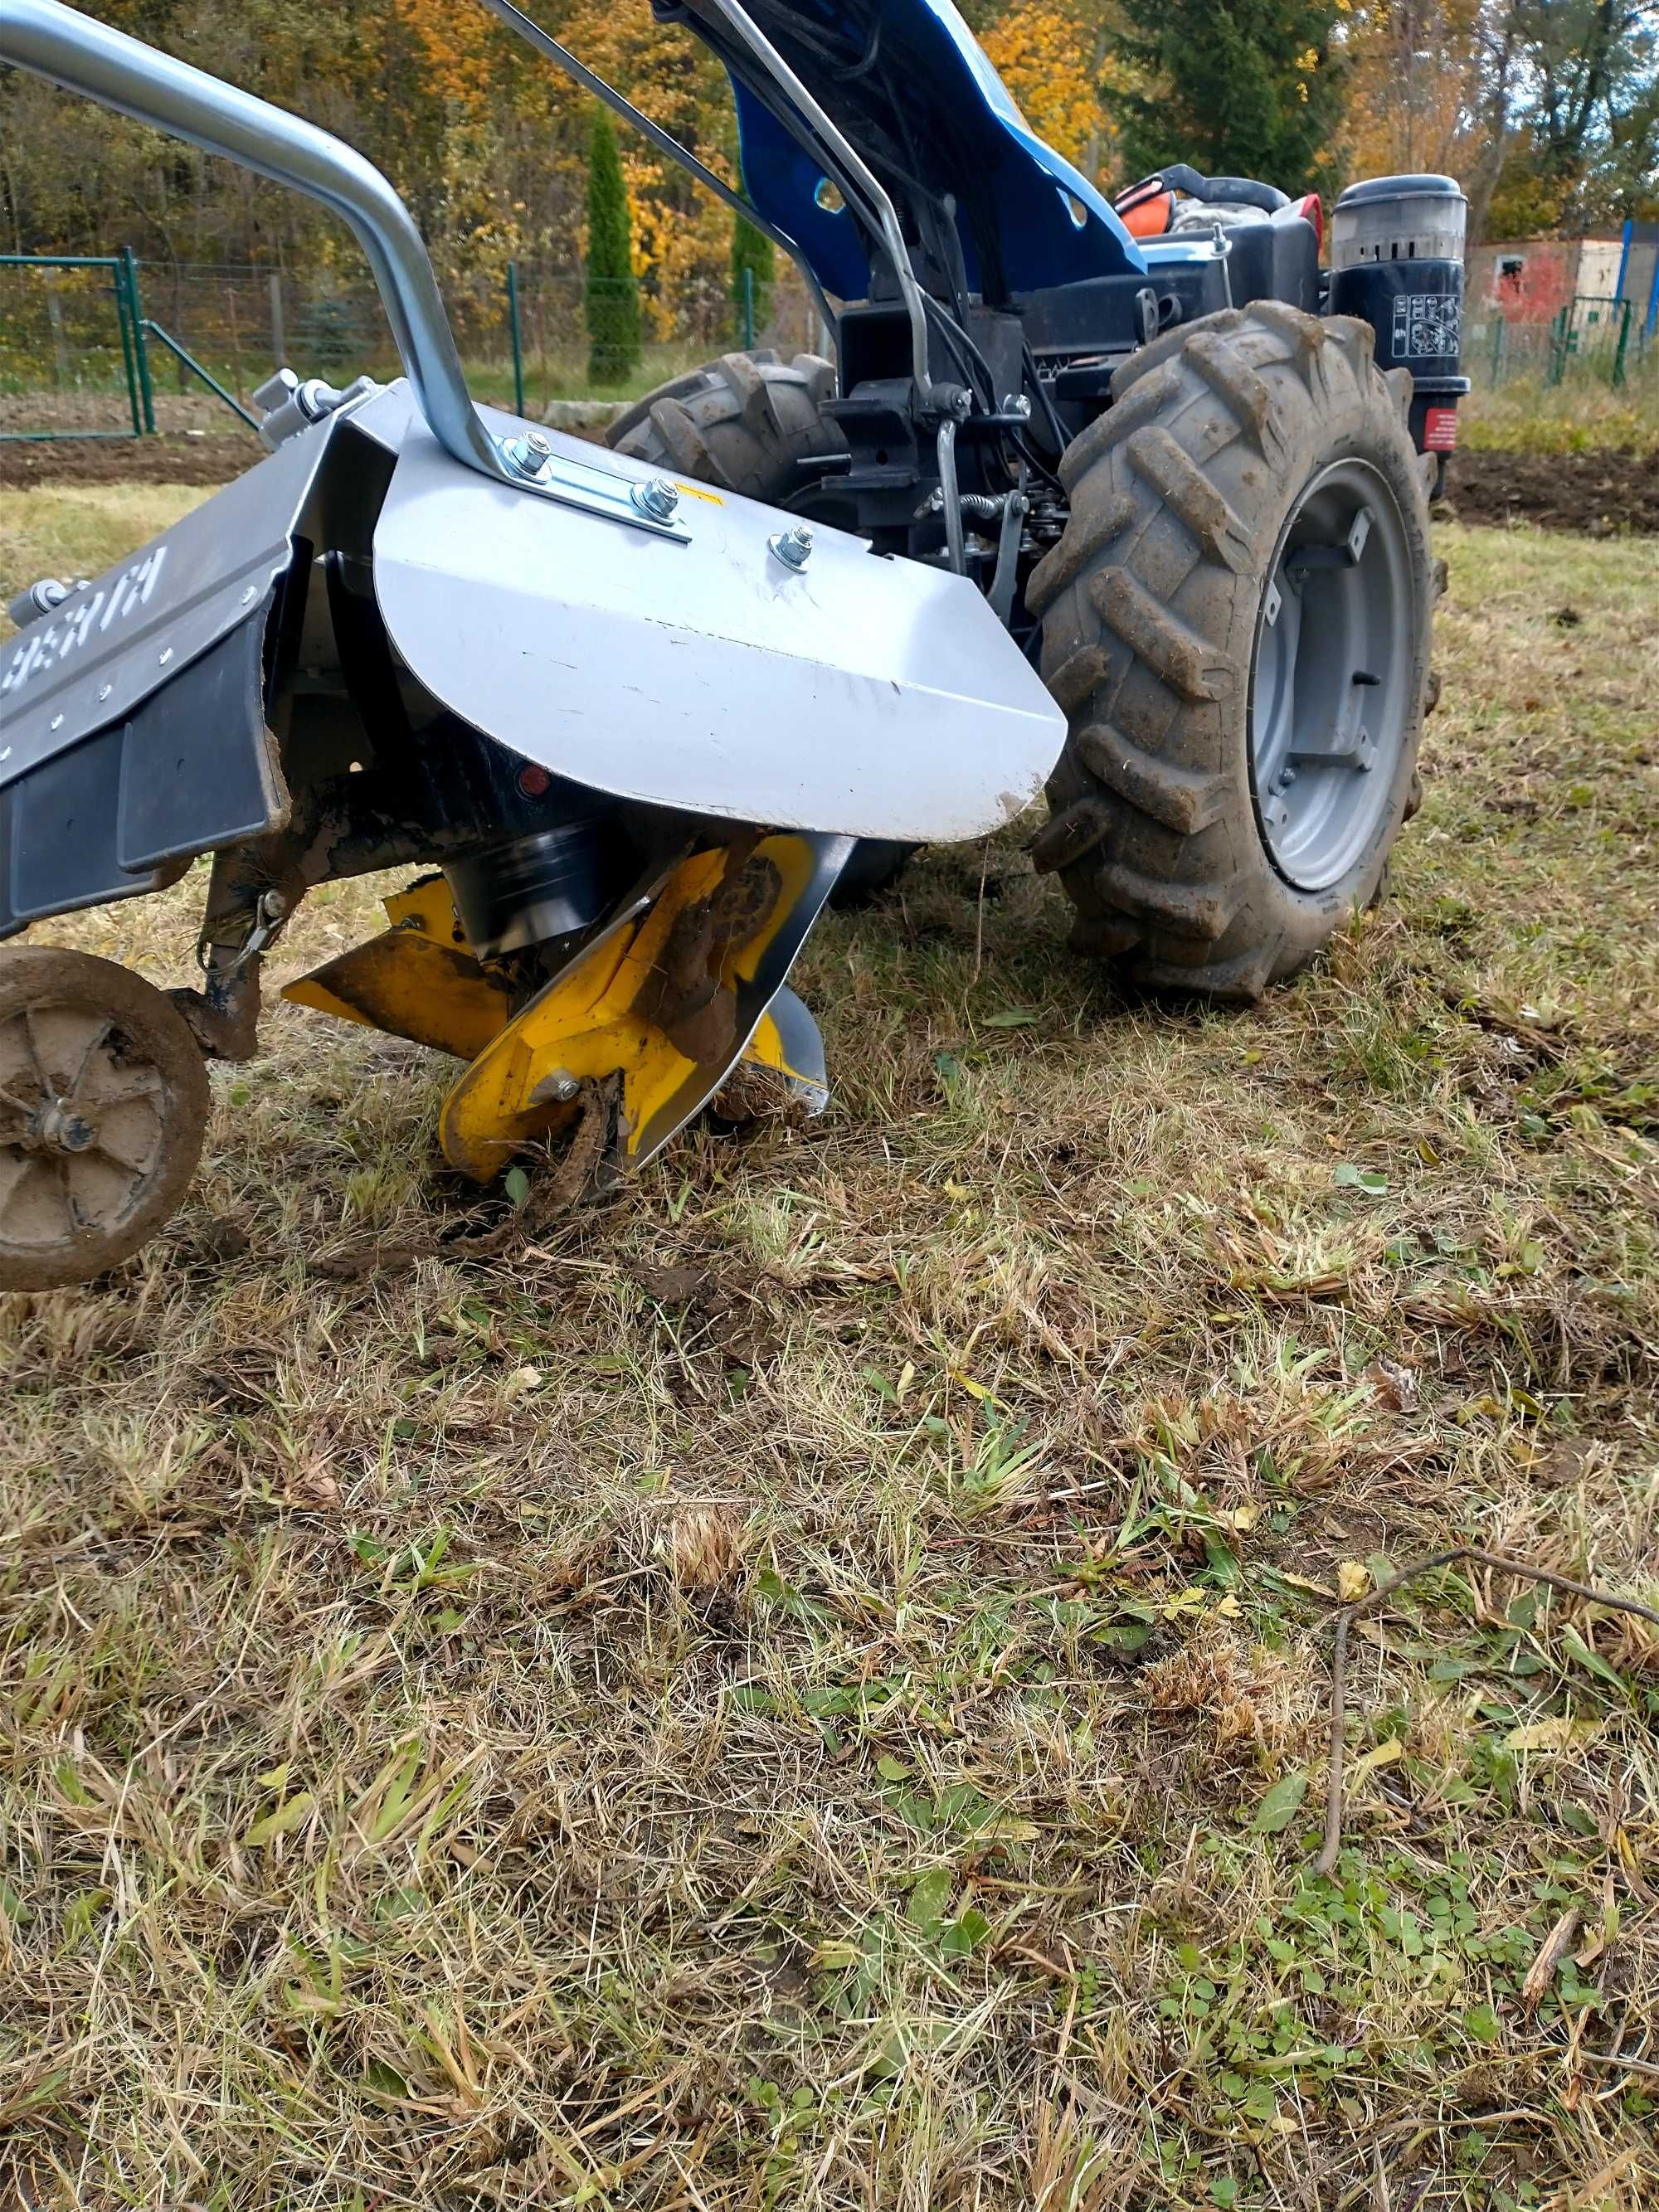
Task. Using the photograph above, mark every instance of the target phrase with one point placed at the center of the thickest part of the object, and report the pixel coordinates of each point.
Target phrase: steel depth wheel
(1328, 705)
(103, 1100)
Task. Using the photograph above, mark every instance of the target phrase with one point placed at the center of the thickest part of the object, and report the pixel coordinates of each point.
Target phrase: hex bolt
(793, 546)
(529, 455)
(1017, 402)
(656, 498)
(556, 1088)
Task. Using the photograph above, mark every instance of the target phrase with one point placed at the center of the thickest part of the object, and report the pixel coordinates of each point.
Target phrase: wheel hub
(1329, 703)
(81, 1125)
(56, 1128)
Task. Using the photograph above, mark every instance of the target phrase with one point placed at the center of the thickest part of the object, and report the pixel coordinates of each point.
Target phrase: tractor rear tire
(744, 424)
(747, 423)
(1245, 574)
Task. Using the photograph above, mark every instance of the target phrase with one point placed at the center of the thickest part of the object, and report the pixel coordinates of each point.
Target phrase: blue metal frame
(1051, 226)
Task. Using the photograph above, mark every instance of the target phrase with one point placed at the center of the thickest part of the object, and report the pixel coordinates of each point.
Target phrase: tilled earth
(1600, 493)
(174, 458)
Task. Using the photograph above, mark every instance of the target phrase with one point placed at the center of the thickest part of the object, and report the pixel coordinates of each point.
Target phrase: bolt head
(793, 546)
(529, 455)
(658, 498)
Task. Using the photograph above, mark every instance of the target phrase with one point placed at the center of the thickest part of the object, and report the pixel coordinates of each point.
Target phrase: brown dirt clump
(1599, 493)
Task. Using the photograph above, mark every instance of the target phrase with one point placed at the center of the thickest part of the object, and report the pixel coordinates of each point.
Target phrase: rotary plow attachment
(618, 730)
(683, 988)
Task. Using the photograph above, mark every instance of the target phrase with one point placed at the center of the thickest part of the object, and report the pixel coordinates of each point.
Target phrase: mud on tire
(1150, 607)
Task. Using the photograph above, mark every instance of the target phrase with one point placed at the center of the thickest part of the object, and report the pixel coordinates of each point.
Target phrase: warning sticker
(1427, 324)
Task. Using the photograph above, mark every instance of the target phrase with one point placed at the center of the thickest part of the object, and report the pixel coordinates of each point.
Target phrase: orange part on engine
(1149, 218)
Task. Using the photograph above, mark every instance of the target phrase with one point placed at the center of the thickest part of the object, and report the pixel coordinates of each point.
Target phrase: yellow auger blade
(416, 980)
(627, 1005)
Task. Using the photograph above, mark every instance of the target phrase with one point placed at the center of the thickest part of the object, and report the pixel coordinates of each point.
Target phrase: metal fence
(110, 346)
(116, 346)
(70, 342)
(1590, 337)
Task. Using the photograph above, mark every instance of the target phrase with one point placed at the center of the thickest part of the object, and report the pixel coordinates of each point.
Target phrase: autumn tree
(1056, 57)
(1547, 111)
(610, 296)
(1237, 88)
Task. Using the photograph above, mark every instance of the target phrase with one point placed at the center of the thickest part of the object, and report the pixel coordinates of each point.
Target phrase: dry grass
(806, 1691)
(1579, 415)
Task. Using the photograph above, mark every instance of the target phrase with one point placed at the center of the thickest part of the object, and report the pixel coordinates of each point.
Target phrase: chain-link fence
(112, 347)
(68, 362)
(70, 366)
(1590, 338)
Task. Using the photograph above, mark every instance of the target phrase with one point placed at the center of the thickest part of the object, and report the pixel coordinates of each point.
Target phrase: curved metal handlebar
(57, 42)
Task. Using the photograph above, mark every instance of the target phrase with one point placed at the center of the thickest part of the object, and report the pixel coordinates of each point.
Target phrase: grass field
(808, 1688)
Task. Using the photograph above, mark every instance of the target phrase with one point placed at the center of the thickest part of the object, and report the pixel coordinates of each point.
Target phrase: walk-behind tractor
(630, 719)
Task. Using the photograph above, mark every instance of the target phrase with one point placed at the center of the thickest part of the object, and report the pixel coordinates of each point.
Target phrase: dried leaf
(1555, 1949)
(279, 1822)
(1384, 1754)
(1397, 1387)
(1560, 1733)
(1354, 1579)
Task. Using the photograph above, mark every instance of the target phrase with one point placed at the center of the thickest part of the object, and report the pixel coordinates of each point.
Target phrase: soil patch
(176, 459)
(1596, 493)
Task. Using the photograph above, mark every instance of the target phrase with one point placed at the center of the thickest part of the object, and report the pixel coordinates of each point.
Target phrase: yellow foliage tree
(1050, 56)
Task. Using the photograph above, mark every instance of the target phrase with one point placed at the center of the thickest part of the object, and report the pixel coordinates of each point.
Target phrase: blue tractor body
(910, 76)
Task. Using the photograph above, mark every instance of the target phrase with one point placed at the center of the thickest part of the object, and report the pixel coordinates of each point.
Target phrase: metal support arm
(743, 28)
(85, 57)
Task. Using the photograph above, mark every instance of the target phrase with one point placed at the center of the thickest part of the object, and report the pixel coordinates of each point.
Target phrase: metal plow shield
(858, 694)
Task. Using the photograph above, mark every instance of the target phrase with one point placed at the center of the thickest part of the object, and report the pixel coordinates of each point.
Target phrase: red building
(1530, 280)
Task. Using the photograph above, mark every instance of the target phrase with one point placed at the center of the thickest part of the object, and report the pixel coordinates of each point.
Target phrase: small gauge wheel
(104, 1099)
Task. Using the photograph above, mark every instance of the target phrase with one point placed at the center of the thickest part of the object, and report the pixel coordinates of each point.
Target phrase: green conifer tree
(1237, 88)
(611, 299)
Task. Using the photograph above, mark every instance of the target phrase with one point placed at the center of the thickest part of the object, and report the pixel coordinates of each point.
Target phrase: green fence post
(146, 389)
(748, 308)
(1497, 372)
(128, 364)
(1622, 341)
(517, 336)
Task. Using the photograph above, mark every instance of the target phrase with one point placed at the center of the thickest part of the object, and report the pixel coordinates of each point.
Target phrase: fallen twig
(1325, 1862)
(1618, 2058)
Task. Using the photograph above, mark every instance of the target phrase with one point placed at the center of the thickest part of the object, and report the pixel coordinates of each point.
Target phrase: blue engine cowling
(910, 86)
